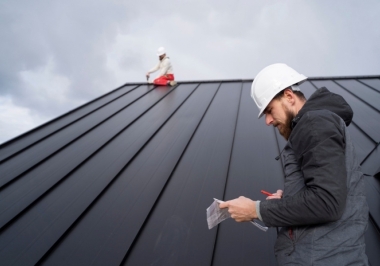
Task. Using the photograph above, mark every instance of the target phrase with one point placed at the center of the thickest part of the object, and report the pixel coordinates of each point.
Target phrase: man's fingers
(277, 195)
(274, 196)
(223, 205)
(237, 219)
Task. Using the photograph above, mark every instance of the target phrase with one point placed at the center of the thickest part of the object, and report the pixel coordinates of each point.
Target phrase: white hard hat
(270, 81)
(161, 51)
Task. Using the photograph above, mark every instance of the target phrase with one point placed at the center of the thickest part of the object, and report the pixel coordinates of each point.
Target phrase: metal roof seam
(75, 139)
(365, 84)
(369, 154)
(77, 220)
(353, 94)
(166, 183)
(8, 222)
(52, 133)
(362, 130)
(228, 171)
(61, 116)
(76, 167)
(312, 83)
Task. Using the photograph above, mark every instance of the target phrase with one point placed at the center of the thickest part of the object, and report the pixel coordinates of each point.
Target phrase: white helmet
(270, 81)
(161, 51)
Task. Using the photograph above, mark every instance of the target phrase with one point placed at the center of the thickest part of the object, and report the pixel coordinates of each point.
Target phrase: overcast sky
(57, 55)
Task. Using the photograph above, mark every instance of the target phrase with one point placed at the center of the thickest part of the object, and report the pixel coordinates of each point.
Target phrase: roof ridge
(250, 80)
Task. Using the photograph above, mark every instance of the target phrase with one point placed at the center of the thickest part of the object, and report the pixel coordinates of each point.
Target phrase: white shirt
(165, 67)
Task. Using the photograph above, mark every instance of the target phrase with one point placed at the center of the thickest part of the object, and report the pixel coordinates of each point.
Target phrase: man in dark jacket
(322, 212)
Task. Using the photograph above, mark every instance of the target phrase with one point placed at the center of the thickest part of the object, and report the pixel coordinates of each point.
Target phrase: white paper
(216, 215)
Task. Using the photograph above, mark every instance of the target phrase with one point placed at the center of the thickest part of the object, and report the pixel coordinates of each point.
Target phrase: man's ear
(289, 95)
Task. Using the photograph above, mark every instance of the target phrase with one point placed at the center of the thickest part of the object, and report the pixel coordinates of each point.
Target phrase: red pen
(266, 193)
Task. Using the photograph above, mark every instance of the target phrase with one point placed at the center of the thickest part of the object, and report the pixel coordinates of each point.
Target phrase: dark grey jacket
(323, 213)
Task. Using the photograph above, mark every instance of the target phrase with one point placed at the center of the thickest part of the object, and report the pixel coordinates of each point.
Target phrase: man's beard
(286, 128)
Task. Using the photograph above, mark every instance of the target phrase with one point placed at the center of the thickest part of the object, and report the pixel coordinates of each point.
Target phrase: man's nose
(268, 119)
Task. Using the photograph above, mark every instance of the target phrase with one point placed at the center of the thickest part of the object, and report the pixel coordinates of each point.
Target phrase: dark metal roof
(126, 178)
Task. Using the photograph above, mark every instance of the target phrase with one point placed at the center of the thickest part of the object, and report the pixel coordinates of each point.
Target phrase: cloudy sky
(57, 55)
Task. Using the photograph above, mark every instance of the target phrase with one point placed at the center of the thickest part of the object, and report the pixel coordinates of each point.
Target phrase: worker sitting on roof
(166, 76)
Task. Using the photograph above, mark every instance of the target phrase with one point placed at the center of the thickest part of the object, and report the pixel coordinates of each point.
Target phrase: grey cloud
(74, 34)
(94, 46)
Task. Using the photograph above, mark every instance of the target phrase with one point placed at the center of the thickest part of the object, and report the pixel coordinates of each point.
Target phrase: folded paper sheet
(216, 215)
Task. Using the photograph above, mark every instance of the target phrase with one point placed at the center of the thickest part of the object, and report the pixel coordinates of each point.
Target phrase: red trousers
(163, 80)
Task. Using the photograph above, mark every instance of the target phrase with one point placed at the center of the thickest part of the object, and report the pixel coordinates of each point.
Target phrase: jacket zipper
(291, 235)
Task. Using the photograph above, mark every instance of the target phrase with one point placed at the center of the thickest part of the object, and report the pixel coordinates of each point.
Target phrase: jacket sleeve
(318, 141)
(154, 69)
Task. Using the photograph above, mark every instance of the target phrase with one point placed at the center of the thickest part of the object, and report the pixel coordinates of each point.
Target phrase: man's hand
(241, 209)
(277, 195)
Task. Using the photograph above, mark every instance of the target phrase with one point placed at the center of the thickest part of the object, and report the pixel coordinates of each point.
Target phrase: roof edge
(7, 142)
(250, 80)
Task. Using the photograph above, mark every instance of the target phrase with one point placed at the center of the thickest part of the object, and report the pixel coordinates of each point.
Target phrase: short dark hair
(299, 94)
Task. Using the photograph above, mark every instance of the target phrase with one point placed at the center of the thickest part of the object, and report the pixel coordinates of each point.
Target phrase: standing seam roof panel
(81, 188)
(44, 149)
(247, 175)
(35, 135)
(73, 154)
(372, 83)
(167, 237)
(126, 178)
(134, 191)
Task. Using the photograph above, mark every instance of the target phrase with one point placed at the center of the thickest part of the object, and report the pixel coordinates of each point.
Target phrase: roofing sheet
(126, 178)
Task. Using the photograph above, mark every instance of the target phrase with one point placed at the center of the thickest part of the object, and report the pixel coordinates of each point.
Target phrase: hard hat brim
(261, 113)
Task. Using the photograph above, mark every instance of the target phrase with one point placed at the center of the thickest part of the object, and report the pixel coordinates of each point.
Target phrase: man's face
(161, 56)
(279, 115)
